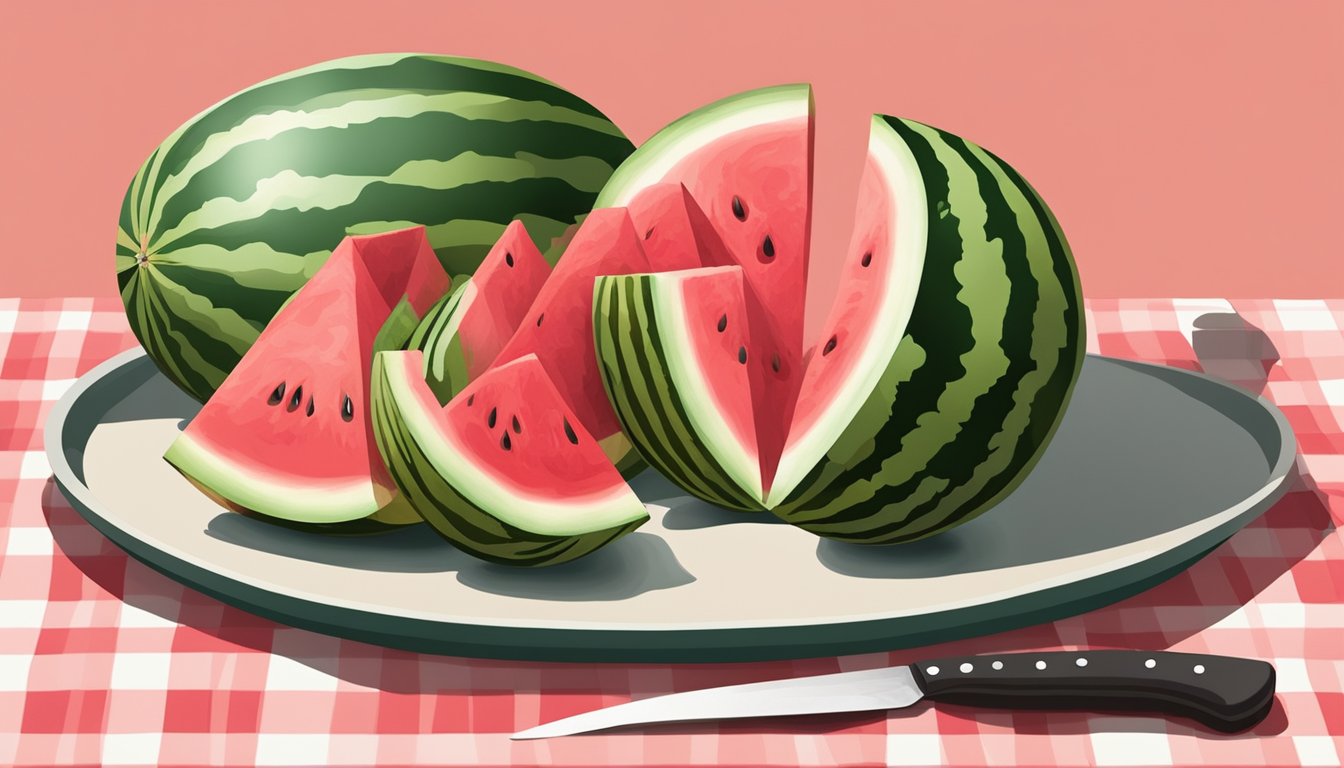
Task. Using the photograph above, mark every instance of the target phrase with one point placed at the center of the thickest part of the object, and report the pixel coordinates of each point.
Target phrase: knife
(1224, 693)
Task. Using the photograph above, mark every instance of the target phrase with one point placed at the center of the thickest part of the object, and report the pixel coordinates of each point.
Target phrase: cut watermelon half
(507, 471)
(465, 331)
(287, 434)
(939, 376)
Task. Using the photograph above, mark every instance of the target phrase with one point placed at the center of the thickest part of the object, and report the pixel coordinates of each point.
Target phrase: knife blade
(1223, 693)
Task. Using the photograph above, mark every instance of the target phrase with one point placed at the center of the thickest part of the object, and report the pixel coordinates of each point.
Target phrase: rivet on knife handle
(1226, 694)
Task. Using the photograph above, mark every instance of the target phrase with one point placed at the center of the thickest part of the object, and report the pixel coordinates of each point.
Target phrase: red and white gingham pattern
(104, 661)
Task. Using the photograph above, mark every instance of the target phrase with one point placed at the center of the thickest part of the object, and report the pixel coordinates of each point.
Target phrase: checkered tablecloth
(104, 661)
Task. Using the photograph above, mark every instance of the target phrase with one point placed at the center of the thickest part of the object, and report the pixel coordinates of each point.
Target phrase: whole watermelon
(236, 209)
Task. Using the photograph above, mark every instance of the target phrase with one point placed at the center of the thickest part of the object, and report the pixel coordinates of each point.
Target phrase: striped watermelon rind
(239, 206)
(942, 416)
(982, 374)
(652, 385)
(469, 508)
(665, 148)
(445, 363)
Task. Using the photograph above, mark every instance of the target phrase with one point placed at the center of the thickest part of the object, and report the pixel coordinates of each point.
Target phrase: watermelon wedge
(287, 434)
(465, 331)
(558, 328)
(936, 382)
(507, 471)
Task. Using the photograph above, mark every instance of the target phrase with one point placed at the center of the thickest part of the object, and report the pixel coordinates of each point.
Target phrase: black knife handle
(1224, 693)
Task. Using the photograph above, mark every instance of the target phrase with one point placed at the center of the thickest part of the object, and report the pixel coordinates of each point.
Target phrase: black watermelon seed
(723, 323)
(739, 211)
(310, 406)
(569, 432)
(517, 425)
(742, 355)
(774, 363)
(490, 420)
(348, 409)
(830, 346)
(295, 398)
(508, 258)
(867, 258)
(471, 399)
(277, 394)
(505, 442)
(768, 247)
(540, 317)
(649, 233)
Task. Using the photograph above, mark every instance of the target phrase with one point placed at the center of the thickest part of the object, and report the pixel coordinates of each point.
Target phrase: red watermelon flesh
(558, 328)
(398, 266)
(514, 416)
(509, 280)
(677, 233)
(506, 285)
(719, 326)
(287, 434)
(850, 324)
(755, 187)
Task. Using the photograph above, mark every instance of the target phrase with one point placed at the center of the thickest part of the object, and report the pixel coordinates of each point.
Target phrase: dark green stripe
(1052, 398)
(415, 74)
(303, 232)
(253, 303)
(380, 147)
(428, 493)
(635, 352)
(160, 327)
(939, 324)
(686, 446)
(671, 437)
(962, 456)
(451, 514)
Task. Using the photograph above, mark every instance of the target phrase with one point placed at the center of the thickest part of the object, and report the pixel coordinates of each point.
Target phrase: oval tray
(1151, 468)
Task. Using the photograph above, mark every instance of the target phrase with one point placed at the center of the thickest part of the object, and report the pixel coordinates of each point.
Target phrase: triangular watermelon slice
(506, 471)
(288, 435)
(558, 328)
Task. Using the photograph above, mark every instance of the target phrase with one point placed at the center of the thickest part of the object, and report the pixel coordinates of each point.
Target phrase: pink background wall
(1188, 148)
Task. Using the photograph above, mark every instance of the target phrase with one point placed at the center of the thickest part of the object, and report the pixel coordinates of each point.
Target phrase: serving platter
(1151, 468)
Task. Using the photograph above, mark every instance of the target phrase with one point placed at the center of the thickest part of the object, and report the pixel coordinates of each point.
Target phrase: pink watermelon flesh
(755, 187)
(398, 265)
(719, 327)
(851, 322)
(294, 412)
(507, 282)
(558, 328)
(516, 427)
(677, 233)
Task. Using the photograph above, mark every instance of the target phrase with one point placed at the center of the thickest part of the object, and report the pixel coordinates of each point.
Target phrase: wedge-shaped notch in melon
(676, 231)
(506, 471)
(465, 331)
(288, 435)
(558, 328)
(674, 350)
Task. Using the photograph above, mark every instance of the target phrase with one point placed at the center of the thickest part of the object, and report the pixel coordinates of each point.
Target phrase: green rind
(719, 117)
(241, 205)
(445, 363)
(946, 433)
(635, 365)
(436, 490)
(250, 488)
